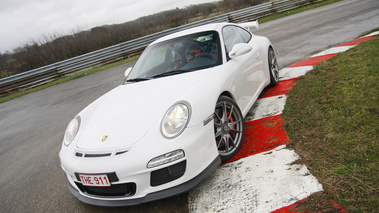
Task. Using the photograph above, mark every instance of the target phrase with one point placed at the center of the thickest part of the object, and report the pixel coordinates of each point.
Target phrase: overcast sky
(23, 21)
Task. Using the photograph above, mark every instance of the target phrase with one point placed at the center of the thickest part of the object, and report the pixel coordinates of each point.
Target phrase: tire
(228, 127)
(273, 67)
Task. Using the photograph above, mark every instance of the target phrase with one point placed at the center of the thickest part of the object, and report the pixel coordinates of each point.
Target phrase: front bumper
(184, 187)
(132, 182)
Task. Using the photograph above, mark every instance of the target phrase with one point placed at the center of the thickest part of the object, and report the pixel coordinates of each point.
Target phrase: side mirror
(240, 49)
(127, 71)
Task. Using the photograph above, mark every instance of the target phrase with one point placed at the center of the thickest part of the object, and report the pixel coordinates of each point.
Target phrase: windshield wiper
(173, 72)
(137, 79)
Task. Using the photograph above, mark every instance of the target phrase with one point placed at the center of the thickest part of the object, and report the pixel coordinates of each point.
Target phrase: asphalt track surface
(32, 126)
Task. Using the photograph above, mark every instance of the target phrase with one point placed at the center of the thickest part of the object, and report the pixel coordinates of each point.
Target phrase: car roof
(203, 28)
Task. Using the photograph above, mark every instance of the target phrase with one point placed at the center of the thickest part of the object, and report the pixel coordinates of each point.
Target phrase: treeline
(52, 48)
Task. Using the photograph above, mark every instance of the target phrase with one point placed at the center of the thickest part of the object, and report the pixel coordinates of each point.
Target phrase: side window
(231, 37)
(245, 34)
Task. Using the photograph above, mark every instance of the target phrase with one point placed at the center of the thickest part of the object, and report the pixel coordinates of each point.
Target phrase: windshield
(178, 55)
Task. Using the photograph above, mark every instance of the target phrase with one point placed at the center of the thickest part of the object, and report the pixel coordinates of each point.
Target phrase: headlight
(71, 130)
(175, 120)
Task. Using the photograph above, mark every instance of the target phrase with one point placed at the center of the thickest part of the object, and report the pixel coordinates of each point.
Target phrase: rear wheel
(228, 127)
(273, 67)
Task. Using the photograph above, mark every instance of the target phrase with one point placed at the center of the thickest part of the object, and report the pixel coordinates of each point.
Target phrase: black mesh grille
(126, 189)
(168, 174)
(97, 155)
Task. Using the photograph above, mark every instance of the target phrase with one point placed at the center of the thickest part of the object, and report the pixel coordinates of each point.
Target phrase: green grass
(332, 119)
(298, 10)
(65, 79)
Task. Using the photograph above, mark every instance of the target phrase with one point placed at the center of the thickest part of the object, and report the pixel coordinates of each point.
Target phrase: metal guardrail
(126, 49)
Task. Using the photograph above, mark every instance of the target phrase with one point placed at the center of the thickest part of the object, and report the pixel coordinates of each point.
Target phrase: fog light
(166, 158)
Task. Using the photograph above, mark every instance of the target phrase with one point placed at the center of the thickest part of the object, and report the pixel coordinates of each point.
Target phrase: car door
(246, 69)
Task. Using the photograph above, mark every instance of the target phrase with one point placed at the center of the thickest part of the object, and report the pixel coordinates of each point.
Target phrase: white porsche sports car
(178, 116)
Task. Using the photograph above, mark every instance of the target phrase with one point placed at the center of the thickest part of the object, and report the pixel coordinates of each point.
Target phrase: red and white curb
(265, 176)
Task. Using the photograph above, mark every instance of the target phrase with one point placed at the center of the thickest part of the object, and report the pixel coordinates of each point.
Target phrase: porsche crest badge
(104, 138)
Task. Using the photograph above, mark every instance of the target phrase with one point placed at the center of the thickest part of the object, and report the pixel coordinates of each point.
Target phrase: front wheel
(273, 67)
(228, 127)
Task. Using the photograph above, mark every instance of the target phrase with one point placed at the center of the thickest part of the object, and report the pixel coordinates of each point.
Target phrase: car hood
(124, 115)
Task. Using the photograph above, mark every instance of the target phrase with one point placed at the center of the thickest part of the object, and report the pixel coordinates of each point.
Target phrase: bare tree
(54, 48)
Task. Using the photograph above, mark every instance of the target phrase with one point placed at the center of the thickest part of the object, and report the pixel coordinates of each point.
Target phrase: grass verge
(66, 78)
(332, 119)
(298, 10)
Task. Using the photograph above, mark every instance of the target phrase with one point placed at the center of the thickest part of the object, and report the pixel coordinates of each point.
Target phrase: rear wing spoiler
(250, 25)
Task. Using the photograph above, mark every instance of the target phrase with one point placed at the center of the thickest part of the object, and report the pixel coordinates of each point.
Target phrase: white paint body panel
(130, 116)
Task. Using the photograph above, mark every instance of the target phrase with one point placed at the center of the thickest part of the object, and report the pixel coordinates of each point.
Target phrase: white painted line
(334, 50)
(293, 72)
(372, 34)
(266, 107)
(259, 183)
